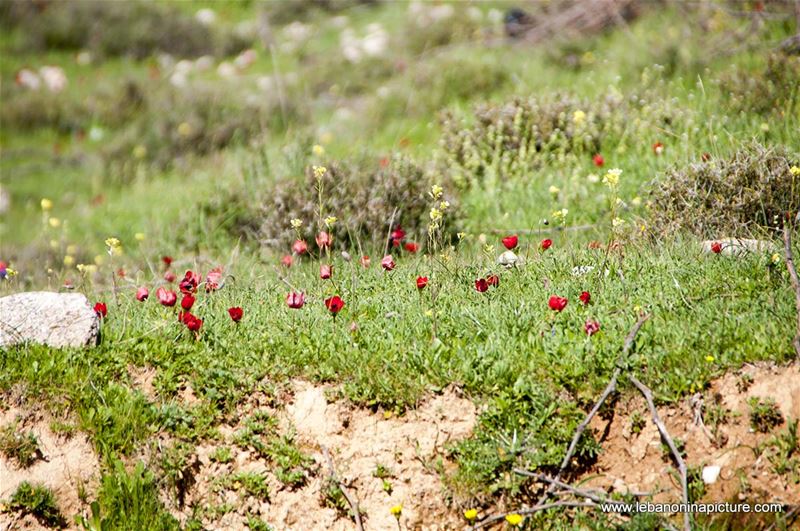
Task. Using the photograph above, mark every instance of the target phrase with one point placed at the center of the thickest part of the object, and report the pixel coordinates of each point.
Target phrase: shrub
(38, 501)
(365, 195)
(773, 89)
(22, 447)
(747, 193)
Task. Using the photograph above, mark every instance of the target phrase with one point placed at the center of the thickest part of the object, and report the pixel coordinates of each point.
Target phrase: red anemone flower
(323, 239)
(422, 282)
(299, 247)
(493, 280)
(481, 285)
(295, 300)
(287, 260)
(236, 313)
(585, 297)
(213, 279)
(166, 297)
(557, 303)
(187, 302)
(598, 160)
(396, 243)
(591, 327)
(716, 247)
(546, 243)
(365, 261)
(142, 294)
(411, 247)
(167, 260)
(334, 304)
(387, 263)
(169, 276)
(510, 242)
(121, 273)
(100, 309)
(192, 322)
(398, 233)
(325, 271)
(189, 282)
(658, 148)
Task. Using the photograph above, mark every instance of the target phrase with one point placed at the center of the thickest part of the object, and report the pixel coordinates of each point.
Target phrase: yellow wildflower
(112, 242)
(776, 258)
(436, 191)
(578, 117)
(554, 190)
(139, 236)
(710, 358)
(397, 510)
(795, 170)
(54, 222)
(46, 204)
(765, 127)
(471, 514)
(435, 214)
(318, 150)
(297, 223)
(330, 221)
(69, 260)
(611, 178)
(319, 171)
(514, 519)
(429, 313)
(10, 272)
(444, 205)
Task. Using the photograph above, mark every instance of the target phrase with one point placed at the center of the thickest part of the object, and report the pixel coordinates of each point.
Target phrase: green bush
(38, 501)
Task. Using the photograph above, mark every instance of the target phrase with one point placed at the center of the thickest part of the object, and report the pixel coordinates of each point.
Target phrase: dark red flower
(546, 243)
(324, 240)
(422, 282)
(716, 247)
(167, 260)
(187, 302)
(287, 260)
(591, 327)
(481, 285)
(396, 243)
(325, 271)
(295, 300)
(398, 233)
(387, 263)
(192, 322)
(299, 247)
(189, 282)
(510, 242)
(411, 247)
(598, 160)
(169, 276)
(334, 304)
(585, 297)
(658, 148)
(213, 279)
(365, 261)
(100, 309)
(166, 297)
(557, 303)
(142, 294)
(493, 280)
(236, 313)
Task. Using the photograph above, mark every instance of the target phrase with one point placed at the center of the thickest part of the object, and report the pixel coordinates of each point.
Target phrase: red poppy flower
(585, 297)
(557, 303)
(324, 240)
(594, 244)
(192, 322)
(411, 247)
(422, 282)
(236, 313)
(546, 243)
(510, 242)
(295, 300)
(493, 280)
(121, 273)
(334, 304)
(325, 271)
(100, 309)
(142, 294)
(187, 302)
(365, 261)
(598, 160)
(287, 260)
(716, 247)
(189, 282)
(167, 260)
(706, 157)
(299, 247)
(169, 276)
(213, 279)
(591, 327)
(658, 148)
(166, 297)
(387, 263)
(481, 285)
(384, 162)
(398, 233)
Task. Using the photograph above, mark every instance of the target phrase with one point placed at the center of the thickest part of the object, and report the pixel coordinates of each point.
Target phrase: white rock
(710, 474)
(53, 319)
(508, 259)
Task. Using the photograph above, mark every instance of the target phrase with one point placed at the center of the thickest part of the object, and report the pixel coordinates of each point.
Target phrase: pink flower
(324, 240)
(325, 271)
(299, 247)
(387, 263)
(166, 297)
(169, 276)
(287, 260)
(591, 327)
(213, 279)
(295, 300)
(142, 294)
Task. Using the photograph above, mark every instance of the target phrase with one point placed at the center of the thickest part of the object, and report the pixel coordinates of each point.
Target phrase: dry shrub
(364, 195)
(744, 195)
(773, 89)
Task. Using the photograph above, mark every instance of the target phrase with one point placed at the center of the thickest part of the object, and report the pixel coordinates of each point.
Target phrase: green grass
(38, 501)
(534, 371)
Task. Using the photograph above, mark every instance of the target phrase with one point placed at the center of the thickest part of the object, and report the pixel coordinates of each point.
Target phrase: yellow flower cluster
(296, 223)
(319, 171)
(611, 178)
(330, 221)
(578, 117)
(46, 204)
(795, 170)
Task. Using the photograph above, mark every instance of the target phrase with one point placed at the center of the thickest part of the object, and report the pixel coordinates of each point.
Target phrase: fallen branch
(787, 244)
(662, 429)
(351, 500)
(612, 385)
(531, 510)
(557, 483)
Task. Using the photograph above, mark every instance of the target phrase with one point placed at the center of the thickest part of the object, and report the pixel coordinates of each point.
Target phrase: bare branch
(662, 429)
(787, 244)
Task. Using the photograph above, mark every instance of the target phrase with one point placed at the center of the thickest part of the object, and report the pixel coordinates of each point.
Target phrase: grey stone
(53, 319)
